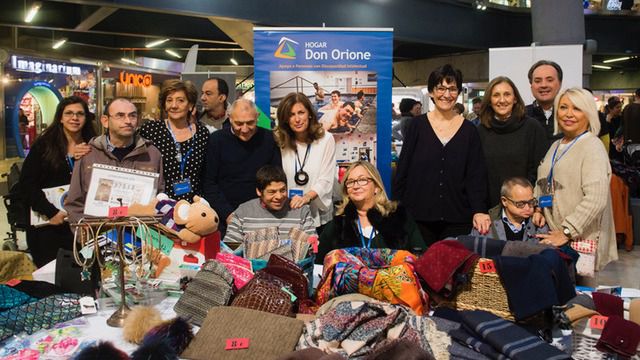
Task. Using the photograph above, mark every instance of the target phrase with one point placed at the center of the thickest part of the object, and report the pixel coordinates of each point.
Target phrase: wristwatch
(566, 232)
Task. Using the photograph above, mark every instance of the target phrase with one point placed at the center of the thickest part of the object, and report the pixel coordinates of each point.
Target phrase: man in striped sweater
(270, 209)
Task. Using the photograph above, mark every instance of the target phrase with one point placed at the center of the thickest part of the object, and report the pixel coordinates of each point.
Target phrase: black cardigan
(441, 183)
(395, 231)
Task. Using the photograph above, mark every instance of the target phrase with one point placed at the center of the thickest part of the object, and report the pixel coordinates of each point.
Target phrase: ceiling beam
(95, 18)
(238, 30)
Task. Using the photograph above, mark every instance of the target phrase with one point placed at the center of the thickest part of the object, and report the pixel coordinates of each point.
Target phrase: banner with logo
(346, 73)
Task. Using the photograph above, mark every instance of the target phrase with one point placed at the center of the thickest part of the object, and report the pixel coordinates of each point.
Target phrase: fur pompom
(140, 320)
(104, 350)
(177, 332)
(158, 349)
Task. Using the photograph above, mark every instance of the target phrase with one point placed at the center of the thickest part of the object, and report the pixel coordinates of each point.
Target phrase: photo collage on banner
(345, 73)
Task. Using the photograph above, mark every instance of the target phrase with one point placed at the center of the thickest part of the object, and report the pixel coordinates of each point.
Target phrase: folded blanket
(535, 283)
(508, 338)
(484, 246)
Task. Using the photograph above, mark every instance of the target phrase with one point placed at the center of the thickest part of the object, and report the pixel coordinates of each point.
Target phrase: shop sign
(40, 66)
(136, 79)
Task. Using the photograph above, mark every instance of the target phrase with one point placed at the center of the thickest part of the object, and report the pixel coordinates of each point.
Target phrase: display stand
(86, 252)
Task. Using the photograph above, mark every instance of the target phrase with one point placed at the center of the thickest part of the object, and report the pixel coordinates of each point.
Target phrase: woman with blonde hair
(573, 186)
(308, 157)
(367, 218)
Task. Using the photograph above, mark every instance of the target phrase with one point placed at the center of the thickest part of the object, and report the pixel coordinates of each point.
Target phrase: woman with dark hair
(613, 115)
(50, 164)
(181, 139)
(308, 157)
(513, 143)
(442, 177)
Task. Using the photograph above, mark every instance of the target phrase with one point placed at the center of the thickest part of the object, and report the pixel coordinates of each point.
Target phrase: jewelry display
(90, 246)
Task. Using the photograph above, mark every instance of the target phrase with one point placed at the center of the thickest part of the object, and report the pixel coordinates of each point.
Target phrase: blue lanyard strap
(370, 238)
(183, 159)
(70, 161)
(554, 161)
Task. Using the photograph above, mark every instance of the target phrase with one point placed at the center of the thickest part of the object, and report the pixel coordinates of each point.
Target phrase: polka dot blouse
(158, 133)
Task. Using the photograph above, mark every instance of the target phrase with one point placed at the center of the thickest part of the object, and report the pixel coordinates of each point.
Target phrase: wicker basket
(483, 291)
(584, 343)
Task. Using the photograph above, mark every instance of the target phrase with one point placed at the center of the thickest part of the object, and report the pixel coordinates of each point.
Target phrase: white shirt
(322, 170)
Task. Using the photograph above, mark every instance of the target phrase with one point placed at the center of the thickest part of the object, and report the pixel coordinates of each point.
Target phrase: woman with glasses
(49, 164)
(513, 143)
(367, 218)
(308, 157)
(573, 186)
(181, 139)
(441, 176)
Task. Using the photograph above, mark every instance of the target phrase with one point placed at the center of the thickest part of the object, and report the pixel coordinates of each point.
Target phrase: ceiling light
(32, 11)
(601, 67)
(234, 61)
(59, 43)
(5, 80)
(617, 59)
(129, 61)
(173, 53)
(156, 43)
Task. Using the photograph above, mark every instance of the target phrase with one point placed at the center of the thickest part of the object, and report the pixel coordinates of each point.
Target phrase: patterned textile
(587, 261)
(482, 245)
(383, 274)
(354, 329)
(42, 314)
(10, 298)
(508, 338)
(15, 265)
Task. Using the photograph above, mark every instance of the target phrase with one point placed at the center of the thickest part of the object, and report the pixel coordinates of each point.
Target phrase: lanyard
(554, 160)
(70, 161)
(303, 161)
(179, 157)
(370, 238)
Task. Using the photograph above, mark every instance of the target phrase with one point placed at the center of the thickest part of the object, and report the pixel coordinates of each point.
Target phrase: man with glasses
(233, 158)
(120, 146)
(511, 219)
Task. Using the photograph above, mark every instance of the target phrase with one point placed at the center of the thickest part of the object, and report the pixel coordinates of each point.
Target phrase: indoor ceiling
(110, 30)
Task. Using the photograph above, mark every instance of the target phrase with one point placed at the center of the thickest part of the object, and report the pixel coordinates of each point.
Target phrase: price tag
(13, 282)
(598, 322)
(293, 297)
(237, 344)
(487, 266)
(118, 211)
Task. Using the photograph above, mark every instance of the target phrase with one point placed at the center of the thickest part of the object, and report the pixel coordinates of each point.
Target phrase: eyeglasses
(442, 89)
(70, 114)
(521, 204)
(121, 116)
(360, 181)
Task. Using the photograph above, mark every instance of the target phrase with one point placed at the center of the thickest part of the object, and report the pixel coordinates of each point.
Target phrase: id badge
(545, 201)
(182, 187)
(295, 192)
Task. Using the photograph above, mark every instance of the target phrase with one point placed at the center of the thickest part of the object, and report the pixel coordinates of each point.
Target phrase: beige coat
(582, 199)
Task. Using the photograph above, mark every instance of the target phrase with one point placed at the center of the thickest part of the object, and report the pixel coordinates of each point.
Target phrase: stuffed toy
(189, 222)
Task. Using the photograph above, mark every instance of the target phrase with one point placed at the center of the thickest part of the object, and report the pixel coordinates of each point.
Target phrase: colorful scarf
(383, 274)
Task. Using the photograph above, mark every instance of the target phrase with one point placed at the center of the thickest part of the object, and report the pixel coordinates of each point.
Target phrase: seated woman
(367, 218)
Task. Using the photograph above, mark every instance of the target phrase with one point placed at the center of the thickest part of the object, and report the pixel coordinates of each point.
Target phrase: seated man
(120, 146)
(334, 119)
(511, 219)
(270, 209)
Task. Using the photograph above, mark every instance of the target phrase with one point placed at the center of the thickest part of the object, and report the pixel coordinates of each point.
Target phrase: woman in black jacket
(513, 143)
(50, 164)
